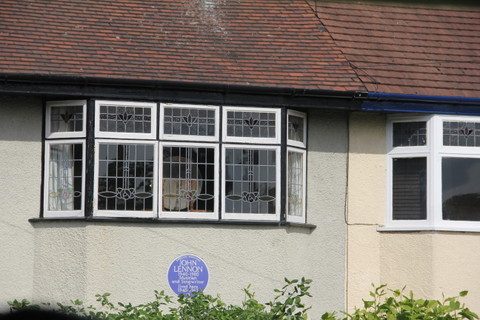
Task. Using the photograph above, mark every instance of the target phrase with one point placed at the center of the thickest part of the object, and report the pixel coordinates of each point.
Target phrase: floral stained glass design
(125, 177)
(125, 119)
(250, 181)
(461, 134)
(409, 134)
(251, 124)
(188, 179)
(189, 121)
(66, 119)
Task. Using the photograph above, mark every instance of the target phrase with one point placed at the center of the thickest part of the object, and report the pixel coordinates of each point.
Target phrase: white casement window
(251, 182)
(125, 178)
(65, 119)
(189, 122)
(251, 125)
(125, 119)
(64, 161)
(174, 161)
(64, 192)
(296, 166)
(434, 169)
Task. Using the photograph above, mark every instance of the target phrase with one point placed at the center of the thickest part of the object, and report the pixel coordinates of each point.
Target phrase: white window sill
(427, 228)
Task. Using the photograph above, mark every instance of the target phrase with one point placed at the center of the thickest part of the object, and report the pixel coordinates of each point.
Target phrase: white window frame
(126, 135)
(302, 218)
(275, 140)
(278, 185)
(183, 137)
(125, 213)
(65, 103)
(295, 143)
(434, 151)
(62, 214)
(188, 215)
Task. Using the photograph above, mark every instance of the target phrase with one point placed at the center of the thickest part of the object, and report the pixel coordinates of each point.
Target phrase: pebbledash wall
(58, 261)
(429, 263)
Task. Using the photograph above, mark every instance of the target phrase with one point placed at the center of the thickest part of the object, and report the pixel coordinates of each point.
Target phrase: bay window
(174, 161)
(434, 169)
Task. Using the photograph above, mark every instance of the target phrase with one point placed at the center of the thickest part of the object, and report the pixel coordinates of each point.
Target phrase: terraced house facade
(336, 141)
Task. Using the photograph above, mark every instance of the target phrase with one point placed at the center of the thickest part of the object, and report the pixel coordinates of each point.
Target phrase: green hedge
(287, 304)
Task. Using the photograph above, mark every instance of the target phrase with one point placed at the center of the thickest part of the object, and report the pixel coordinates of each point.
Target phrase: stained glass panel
(66, 118)
(65, 177)
(250, 180)
(296, 128)
(251, 124)
(461, 134)
(125, 119)
(125, 177)
(188, 179)
(189, 121)
(409, 134)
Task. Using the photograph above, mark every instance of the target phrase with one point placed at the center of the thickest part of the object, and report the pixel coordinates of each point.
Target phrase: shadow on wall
(20, 118)
(367, 133)
(327, 131)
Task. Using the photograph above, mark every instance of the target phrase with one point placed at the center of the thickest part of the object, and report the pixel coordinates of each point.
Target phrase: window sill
(175, 221)
(428, 229)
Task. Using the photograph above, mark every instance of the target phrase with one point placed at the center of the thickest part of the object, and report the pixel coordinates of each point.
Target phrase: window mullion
(283, 168)
(90, 158)
(435, 173)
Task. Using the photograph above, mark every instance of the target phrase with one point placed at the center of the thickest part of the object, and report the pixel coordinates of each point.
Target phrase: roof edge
(176, 85)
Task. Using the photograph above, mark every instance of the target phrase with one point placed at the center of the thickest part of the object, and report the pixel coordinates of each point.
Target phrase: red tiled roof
(412, 50)
(246, 42)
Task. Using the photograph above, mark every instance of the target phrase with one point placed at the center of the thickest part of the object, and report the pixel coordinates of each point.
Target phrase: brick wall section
(247, 42)
(415, 50)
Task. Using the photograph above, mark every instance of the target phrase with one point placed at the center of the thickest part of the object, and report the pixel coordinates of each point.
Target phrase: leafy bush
(287, 305)
(395, 304)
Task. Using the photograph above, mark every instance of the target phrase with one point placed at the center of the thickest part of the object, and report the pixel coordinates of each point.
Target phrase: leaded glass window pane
(66, 118)
(125, 176)
(250, 180)
(125, 119)
(296, 128)
(295, 184)
(65, 176)
(409, 192)
(461, 133)
(461, 189)
(251, 124)
(188, 179)
(409, 134)
(189, 121)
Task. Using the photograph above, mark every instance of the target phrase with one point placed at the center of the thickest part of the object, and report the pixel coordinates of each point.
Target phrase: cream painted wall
(428, 263)
(58, 261)
(20, 178)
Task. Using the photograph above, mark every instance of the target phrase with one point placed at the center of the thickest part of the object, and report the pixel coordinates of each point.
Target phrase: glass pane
(295, 184)
(188, 179)
(189, 121)
(251, 124)
(65, 177)
(409, 188)
(125, 179)
(409, 134)
(66, 119)
(125, 119)
(295, 128)
(461, 189)
(461, 134)
(250, 181)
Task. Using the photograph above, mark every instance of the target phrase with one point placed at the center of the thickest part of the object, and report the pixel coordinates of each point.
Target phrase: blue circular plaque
(187, 274)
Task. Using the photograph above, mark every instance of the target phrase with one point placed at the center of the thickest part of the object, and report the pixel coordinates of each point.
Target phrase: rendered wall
(58, 261)
(20, 178)
(428, 263)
